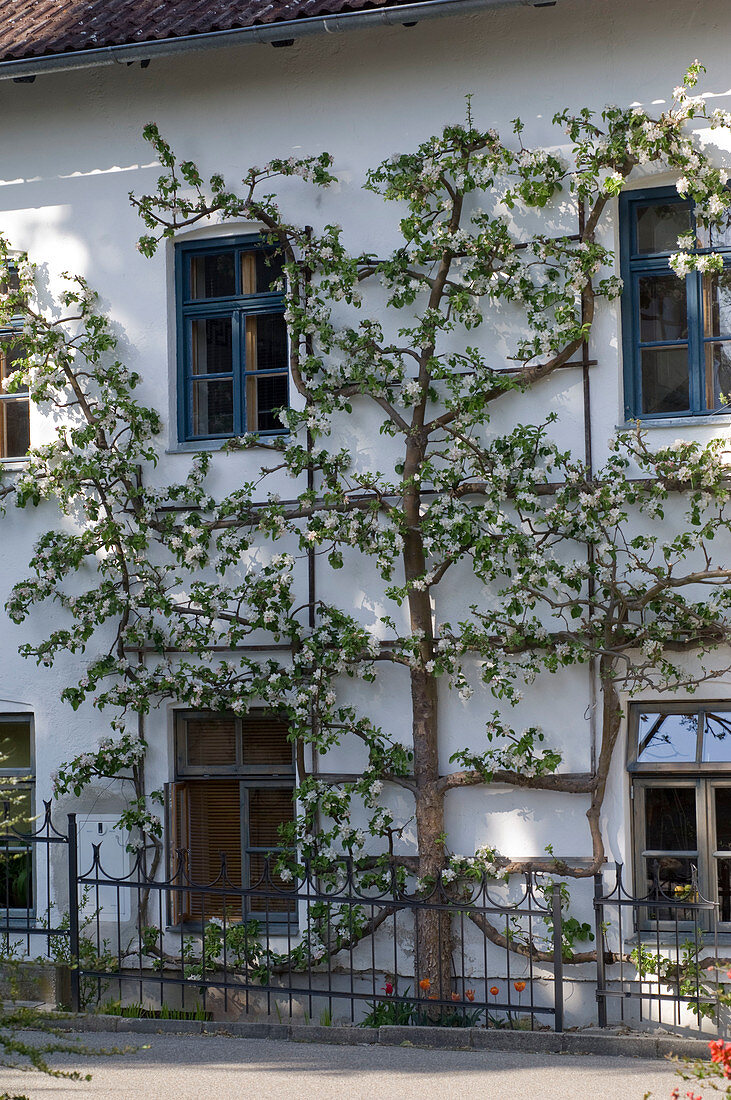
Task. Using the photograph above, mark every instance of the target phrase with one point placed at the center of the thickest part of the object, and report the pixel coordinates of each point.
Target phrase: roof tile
(33, 28)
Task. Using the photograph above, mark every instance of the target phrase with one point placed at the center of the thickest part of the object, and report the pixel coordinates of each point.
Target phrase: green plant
(389, 1009)
(139, 1011)
(395, 1008)
(97, 957)
(692, 977)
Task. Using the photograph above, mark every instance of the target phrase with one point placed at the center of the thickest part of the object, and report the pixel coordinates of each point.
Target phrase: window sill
(676, 422)
(13, 464)
(196, 446)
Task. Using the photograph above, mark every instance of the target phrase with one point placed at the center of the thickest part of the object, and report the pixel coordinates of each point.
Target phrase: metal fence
(350, 950)
(346, 946)
(657, 955)
(31, 923)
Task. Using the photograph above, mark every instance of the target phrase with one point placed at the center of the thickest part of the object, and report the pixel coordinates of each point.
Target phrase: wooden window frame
(633, 266)
(248, 777)
(239, 308)
(704, 777)
(25, 778)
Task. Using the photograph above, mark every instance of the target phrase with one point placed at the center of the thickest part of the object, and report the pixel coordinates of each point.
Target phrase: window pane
(716, 237)
(268, 269)
(265, 742)
(9, 357)
(663, 308)
(659, 226)
(19, 801)
(722, 805)
(14, 411)
(266, 342)
(14, 427)
(670, 823)
(667, 738)
(723, 873)
(263, 396)
(673, 878)
(16, 878)
(268, 900)
(213, 408)
(718, 376)
(665, 385)
(717, 736)
(211, 740)
(212, 346)
(212, 276)
(266, 349)
(259, 269)
(15, 744)
(268, 809)
(717, 304)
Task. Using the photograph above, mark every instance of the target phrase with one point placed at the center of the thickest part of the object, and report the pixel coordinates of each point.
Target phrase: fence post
(601, 977)
(557, 957)
(73, 915)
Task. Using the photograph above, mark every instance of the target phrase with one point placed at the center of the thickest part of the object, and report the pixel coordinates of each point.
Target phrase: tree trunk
(434, 940)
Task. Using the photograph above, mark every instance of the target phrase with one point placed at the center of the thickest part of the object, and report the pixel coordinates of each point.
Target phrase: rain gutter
(276, 34)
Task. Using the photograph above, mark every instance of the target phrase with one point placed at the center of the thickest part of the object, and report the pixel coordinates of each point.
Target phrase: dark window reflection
(663, 308)
(670, 819)
(212, 346)
(659, 226)
(212, 276)
(665, 380)
(213, 408)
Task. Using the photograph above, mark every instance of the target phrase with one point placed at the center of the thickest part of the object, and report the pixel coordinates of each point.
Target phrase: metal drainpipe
(589, 464)
(280, 33)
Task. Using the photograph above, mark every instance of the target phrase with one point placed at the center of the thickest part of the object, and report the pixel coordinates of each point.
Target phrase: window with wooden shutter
(234, 788)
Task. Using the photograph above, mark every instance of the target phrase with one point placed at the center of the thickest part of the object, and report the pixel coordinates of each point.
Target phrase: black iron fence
(32, 922)
(657, 955)
(347, 946)
(360, 948)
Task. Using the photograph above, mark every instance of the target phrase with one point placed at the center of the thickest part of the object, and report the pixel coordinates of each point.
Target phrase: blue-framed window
(676, 332)
(233, 358)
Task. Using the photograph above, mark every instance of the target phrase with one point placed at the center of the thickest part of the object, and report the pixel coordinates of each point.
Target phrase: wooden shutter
(207, 823)
(265, 742)
(179, 834)
(269, 807)
(210, 740)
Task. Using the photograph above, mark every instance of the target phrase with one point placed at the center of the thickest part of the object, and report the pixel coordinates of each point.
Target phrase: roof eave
(272, 33)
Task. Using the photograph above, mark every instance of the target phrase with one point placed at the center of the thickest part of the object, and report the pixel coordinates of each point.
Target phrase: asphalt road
(172, 1067)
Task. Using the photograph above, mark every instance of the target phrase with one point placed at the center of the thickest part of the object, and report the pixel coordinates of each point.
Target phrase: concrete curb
(442, 1038)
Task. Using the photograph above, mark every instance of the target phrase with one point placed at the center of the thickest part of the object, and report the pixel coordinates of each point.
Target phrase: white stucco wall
(71, 151)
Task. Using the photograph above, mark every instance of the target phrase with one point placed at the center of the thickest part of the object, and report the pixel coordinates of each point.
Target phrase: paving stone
(316, 1033)
(449, 1038)
(505, 1039)
(260, 1030)
(684, 1047)
(624, 1046)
